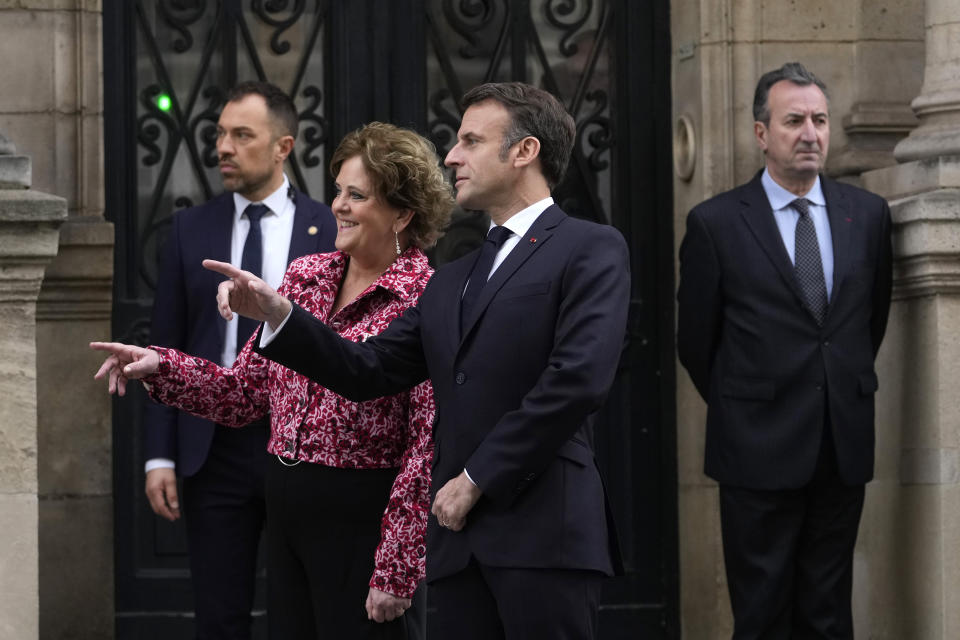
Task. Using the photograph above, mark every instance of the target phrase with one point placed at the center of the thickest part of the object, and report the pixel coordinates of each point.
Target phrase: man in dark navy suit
(261, 220)
(783, 301)
(521, 340)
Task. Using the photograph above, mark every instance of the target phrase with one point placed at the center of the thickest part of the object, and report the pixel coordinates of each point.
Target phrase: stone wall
(53, 58)
(871, 56)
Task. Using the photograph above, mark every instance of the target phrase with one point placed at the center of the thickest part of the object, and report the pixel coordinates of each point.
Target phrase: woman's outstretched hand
(248, 295)
(125, 362)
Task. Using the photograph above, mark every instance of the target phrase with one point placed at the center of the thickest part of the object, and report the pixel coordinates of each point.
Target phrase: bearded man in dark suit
(783, 301)
(223, 468)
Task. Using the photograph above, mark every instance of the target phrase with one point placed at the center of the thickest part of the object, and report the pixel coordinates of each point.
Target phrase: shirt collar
(780, 198)
(520, 222)
(275, 201)
(399, 278)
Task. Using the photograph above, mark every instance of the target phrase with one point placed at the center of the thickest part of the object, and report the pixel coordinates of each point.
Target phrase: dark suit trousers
(491, 603)
(323, 528)
(789, 555)
(224, 509)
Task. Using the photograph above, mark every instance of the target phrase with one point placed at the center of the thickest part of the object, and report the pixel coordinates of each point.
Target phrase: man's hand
(248, 295)
(454, 501)
(125, 361)
(162, 493)
(383, 607)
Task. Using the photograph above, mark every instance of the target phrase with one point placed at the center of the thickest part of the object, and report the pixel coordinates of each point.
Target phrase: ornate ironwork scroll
(189, 54)
(560, 45)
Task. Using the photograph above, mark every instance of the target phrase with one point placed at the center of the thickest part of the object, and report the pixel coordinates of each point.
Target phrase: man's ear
(284, 147)
(528, 150)
(760, 132)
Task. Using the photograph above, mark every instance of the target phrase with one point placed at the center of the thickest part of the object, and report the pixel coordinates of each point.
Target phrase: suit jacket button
(461, 377)
(289, 447)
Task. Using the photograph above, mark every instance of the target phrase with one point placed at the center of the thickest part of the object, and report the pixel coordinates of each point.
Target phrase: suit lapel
(302, 242)
(460, 271)
(537, 235)
(758, 215)
(840, 216)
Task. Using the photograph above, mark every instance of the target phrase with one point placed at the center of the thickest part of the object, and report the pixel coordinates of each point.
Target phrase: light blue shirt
(786, 217)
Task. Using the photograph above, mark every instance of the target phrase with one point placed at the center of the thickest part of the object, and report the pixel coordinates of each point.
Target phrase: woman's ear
(403, 219)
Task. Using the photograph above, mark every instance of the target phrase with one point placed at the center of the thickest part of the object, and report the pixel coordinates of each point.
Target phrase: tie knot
(255, 212)
(802, 205)
(498, 235)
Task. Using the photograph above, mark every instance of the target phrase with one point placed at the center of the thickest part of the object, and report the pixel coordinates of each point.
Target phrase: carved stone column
(914, 512)
(29, 223)
(938, 105)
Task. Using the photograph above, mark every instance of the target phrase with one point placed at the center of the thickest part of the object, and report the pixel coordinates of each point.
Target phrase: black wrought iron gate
(167, 64)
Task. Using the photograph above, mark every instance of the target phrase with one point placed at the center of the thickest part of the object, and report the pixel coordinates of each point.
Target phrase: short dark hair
(793, 72)
(533, 112)
(279, 105)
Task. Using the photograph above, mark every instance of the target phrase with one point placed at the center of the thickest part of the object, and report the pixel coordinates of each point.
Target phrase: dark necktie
(251, 260)
(481, 270)
(807, 262)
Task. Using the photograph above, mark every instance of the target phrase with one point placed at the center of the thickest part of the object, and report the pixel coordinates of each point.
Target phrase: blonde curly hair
(405, 171)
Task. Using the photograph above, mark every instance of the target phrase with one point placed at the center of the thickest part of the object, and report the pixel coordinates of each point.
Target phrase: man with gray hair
(783, 301)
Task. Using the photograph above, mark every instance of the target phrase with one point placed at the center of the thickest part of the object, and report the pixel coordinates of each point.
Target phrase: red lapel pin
(533, 240)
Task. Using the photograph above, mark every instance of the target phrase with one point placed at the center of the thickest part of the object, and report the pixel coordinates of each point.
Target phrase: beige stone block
(919, 381)
(90, 165)
(911, 178)
(716, 120)
(76, 589)
(888, 72)
(18, 567)
(684, 21)
(940, 12)
(18, 411)
(691, 432)
(74, 410)
(29, 38)
(747, 20)
(901, 20)
(917, 565)
(814, 20)
(91, 62)
(34, 135)
(704, 603)
(52, 5)
(715, 22)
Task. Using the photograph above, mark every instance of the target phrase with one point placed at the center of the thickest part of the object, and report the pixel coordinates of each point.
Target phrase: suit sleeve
(384, 365)
(698, 303)
(883, 283)
(168, 328)
(588, 341)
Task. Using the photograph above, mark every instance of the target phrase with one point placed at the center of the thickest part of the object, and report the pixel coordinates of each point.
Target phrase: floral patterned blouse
(313, 424)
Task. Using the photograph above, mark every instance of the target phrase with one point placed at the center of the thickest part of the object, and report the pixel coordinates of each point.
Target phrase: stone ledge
(911, 178)
(31, 206)
(15, 172)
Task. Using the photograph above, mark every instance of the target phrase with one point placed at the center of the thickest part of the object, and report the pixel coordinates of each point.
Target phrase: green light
(164, 102)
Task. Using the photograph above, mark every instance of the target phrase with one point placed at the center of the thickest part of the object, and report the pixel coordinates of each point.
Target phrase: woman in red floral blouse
(348, 493)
